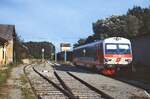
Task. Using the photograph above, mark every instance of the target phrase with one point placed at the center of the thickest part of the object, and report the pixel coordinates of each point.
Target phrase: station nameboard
(65, 46)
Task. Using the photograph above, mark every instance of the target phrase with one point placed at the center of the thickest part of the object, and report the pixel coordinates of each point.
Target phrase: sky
(60, 21)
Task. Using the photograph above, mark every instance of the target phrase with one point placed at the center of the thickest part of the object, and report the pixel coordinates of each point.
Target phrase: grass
(26, 92)
(5, 73)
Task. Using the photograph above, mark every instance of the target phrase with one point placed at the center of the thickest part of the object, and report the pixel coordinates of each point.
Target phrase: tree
(35, 49)
(136, 11)
(80, 42)
(145, 29)
(113, 26)
(133, 24)
(20, 49)
(89, 39)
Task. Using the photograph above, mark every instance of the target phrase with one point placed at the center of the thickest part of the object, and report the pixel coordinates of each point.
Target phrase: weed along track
(48, 83)
(70, 87)
(106, 86)
(68, 82)
(76, 87)
(55, 85)
(42, 86)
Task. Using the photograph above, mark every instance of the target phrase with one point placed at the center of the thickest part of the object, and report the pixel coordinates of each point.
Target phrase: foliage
(81, 41)
(31, 49)
(135, 23)
(35, 49)
(115, 25)
(20, 49)
(26, 92)
(5, 72)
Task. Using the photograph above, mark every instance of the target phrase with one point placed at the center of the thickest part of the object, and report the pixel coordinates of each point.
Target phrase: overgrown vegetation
(35, 49)
(31, 49)
(5, 73)
(136, 22)
(26, 92)
(21, 51)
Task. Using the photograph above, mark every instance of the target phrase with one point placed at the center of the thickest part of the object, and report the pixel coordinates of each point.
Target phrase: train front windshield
(117, 49)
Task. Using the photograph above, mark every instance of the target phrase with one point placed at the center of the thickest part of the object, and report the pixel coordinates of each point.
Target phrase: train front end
(117, 54)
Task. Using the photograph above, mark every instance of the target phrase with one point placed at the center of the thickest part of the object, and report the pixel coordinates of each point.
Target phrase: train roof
(107, 40)
(90, 44)
(116, 40)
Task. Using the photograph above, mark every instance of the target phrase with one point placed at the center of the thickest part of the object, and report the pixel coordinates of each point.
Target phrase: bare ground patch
(16, 86)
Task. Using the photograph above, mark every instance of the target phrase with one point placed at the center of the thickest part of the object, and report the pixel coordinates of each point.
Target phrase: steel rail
(104, 95)
(63, 83)
(65, 92)
(122, 80)
(33, 89)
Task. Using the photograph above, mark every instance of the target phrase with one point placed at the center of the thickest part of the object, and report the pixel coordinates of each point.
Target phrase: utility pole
(55, 56)
(55, 53)
(65, 57)
(64, 47)
(42, 54)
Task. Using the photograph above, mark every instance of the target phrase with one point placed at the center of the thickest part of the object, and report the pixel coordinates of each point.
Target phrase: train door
(99, 54)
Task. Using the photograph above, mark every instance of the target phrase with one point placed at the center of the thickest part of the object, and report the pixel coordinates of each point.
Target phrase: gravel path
(77, 88)
(44, 89)
(113, 87)
(15, 82)
(13, 86)
(117, 89)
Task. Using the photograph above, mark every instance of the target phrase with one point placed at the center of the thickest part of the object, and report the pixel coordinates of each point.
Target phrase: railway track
(67, 93)
(26, 75)
(60, 85)
(78, 88)
(58, 82)
(113, 87)
(136, 83)
(42, 87)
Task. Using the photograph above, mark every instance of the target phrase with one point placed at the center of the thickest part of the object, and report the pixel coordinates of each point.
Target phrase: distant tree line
(133, 24)
(35, 49)
(20, 50)
(31, 49)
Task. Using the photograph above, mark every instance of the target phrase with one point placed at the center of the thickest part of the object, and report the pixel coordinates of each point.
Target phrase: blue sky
(60, 20)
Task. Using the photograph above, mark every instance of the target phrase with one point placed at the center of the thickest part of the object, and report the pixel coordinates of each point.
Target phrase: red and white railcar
(108, 55)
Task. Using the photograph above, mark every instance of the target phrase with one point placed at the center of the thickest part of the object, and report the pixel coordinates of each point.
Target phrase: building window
(3, 53)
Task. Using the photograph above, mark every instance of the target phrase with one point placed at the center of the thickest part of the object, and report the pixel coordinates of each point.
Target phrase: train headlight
(107, 59)
(128, 60)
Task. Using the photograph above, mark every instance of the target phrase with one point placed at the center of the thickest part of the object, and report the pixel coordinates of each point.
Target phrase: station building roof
(7, 32)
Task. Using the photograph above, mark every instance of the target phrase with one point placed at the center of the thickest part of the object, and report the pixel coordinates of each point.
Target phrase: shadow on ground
(69, 68)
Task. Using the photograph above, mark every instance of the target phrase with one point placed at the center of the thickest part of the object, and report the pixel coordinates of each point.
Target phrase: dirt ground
(13, 89)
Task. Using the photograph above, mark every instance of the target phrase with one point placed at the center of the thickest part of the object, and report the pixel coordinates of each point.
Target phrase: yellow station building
(7, 36)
